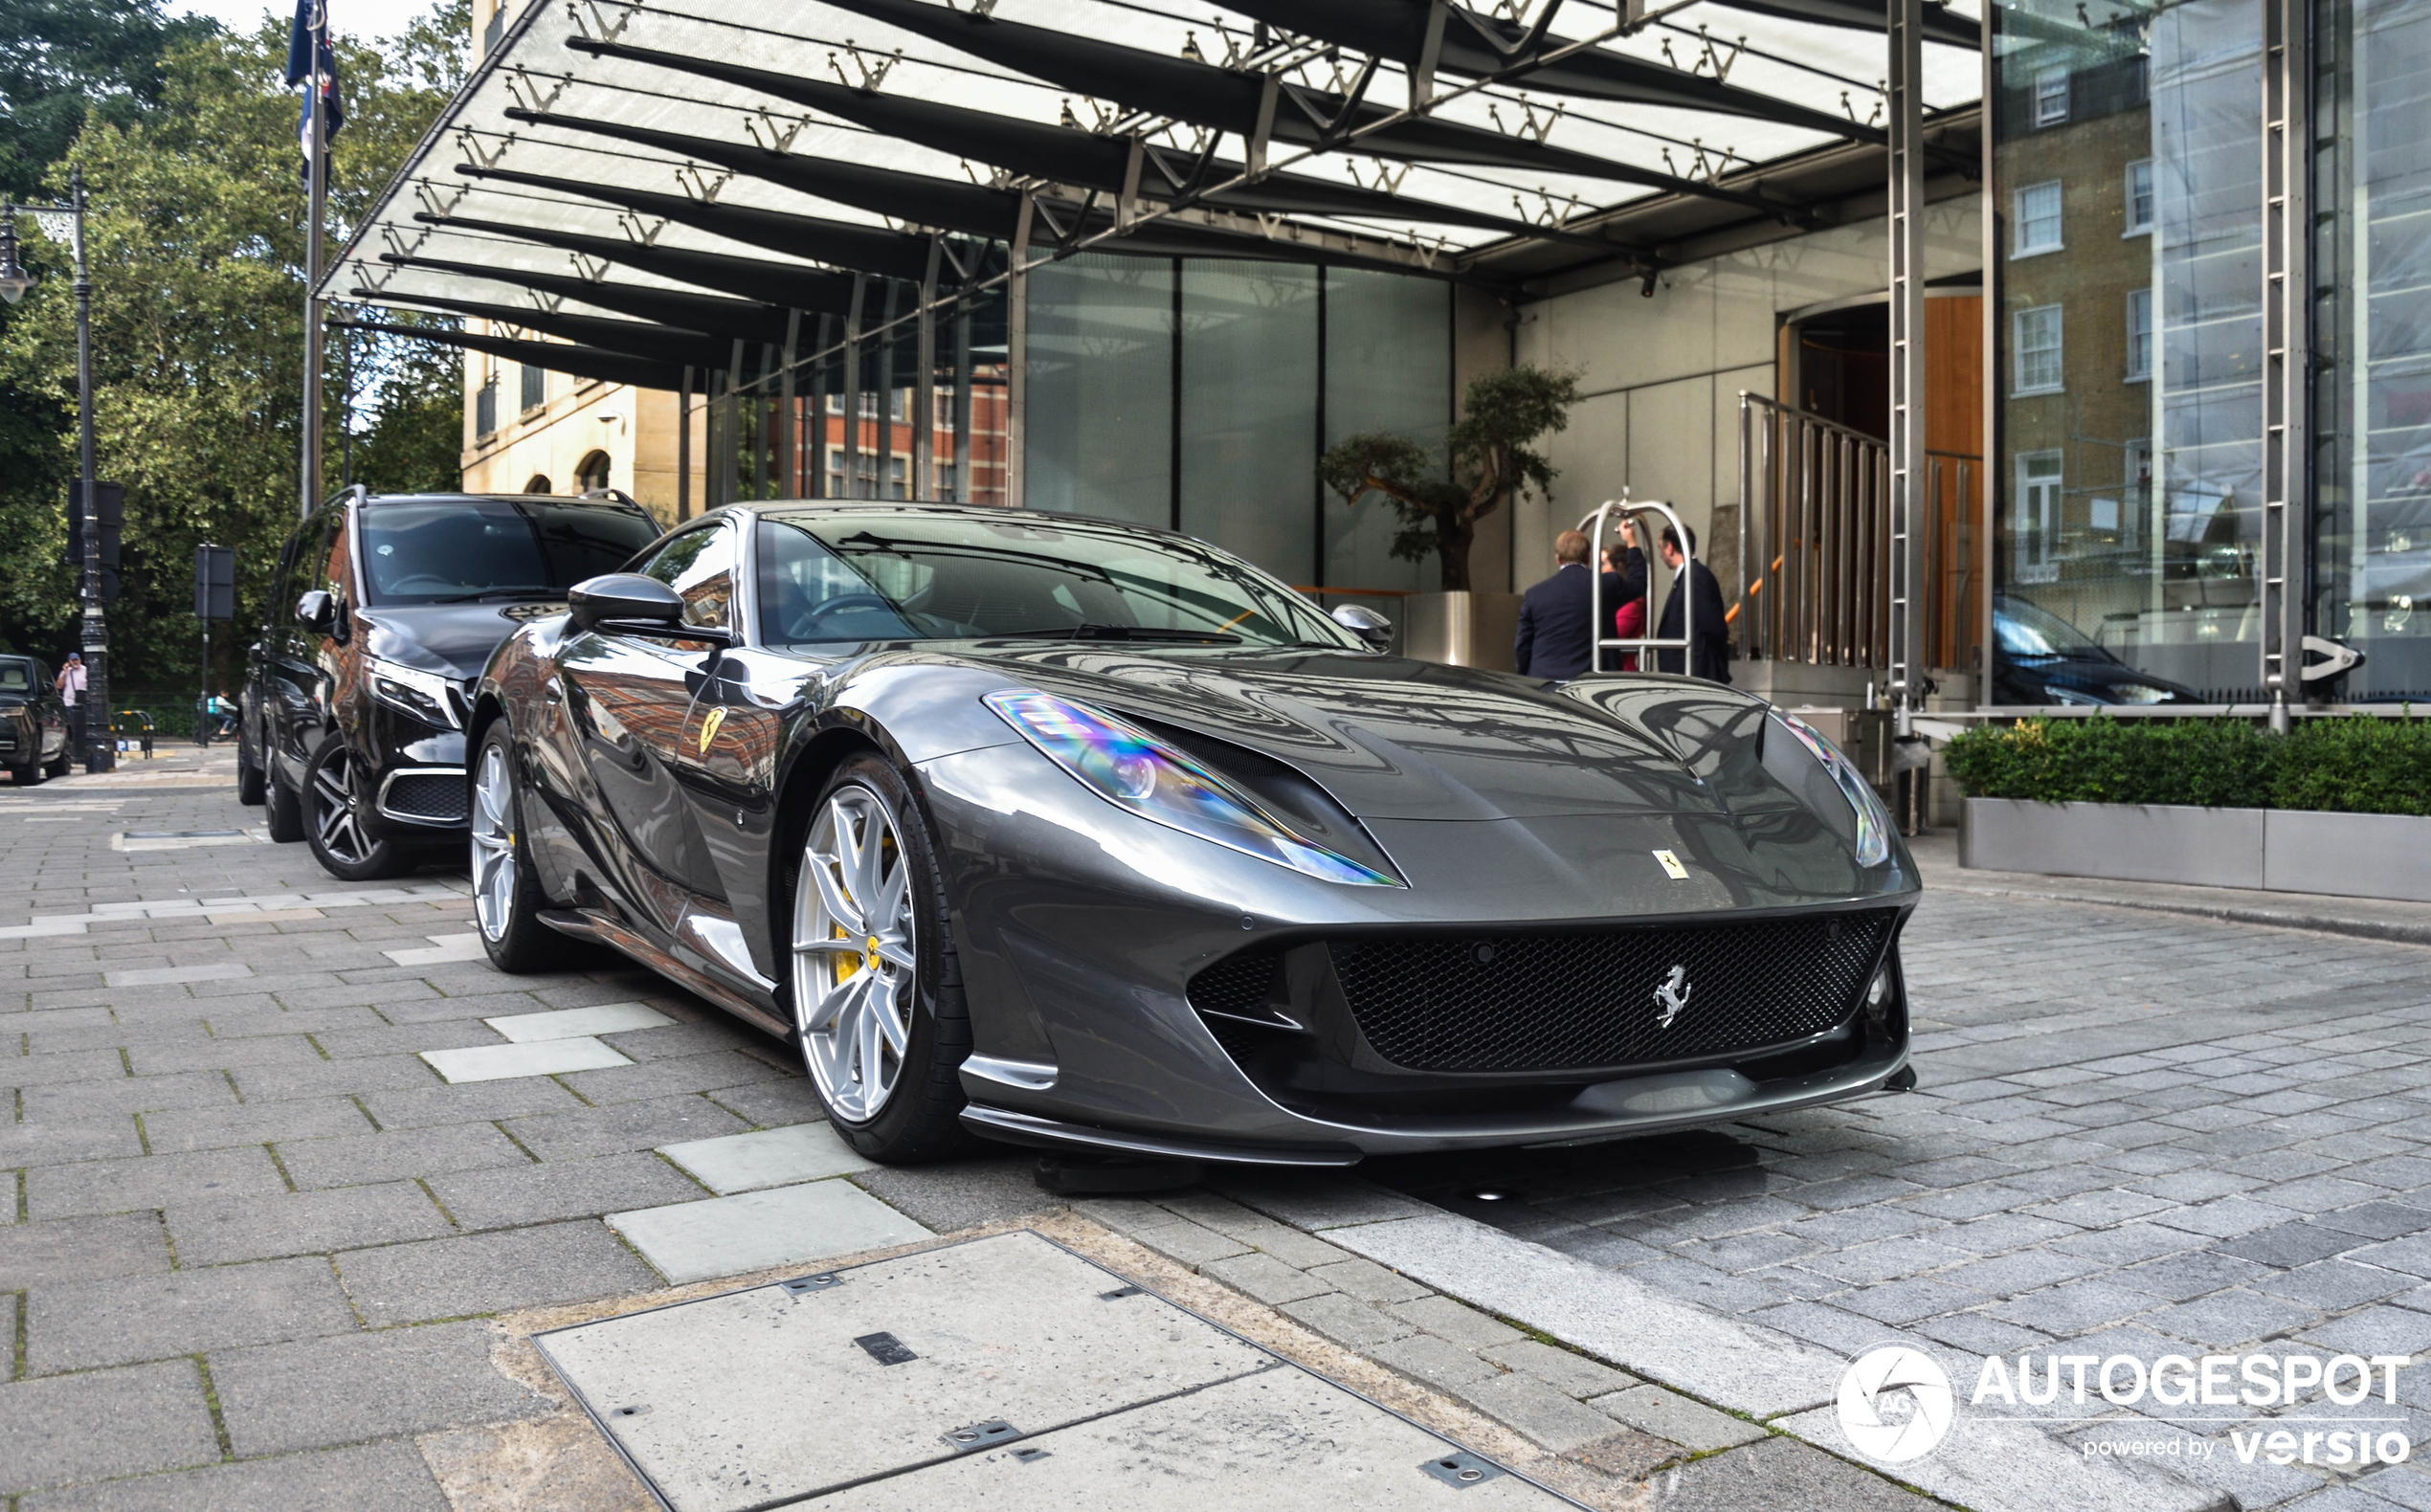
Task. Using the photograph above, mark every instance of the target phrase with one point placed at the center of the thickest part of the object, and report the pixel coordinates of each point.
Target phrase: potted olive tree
(1488, 456)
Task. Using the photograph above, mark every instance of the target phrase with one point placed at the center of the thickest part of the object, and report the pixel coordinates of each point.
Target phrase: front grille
(437, 796)
(1580, 1001)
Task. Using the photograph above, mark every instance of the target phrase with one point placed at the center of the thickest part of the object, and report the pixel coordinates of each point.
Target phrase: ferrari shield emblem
(709, 729)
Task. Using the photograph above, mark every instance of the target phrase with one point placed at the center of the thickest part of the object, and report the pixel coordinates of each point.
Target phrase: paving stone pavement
(250, 1234)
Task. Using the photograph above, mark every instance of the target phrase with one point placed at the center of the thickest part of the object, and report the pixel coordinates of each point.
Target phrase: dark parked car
(387, 606)
(2043, 660)
(33, 723)
(1074, 833)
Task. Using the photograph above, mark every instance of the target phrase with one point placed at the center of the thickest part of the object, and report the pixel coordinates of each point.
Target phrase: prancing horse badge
(709, 729)
(1672, 996)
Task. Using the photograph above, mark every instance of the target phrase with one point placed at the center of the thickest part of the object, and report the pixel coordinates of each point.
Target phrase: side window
(700, 565)
(334, 576)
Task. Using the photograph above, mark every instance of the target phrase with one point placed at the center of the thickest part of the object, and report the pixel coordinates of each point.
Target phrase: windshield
(2026, 631)
(465, 549)
(922, 575)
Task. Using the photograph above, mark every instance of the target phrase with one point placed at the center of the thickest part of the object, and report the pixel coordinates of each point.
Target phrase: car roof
(560, 501)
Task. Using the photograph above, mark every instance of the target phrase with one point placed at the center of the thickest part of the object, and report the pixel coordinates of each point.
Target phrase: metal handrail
(1641, 644)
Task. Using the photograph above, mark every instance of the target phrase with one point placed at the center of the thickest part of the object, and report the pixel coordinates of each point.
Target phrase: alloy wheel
(494, 843)
(856, 954)
(336, 819)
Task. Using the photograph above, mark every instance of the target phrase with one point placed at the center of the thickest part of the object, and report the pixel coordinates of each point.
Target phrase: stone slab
(777, 1157)
(545, 1057)
(1277, 1441)
(571, 1023)
(693, 1241)
(1743, 1366)
(171, 975)
(711, 1399)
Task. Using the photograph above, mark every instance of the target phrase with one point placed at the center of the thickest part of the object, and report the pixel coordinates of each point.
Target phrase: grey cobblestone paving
(2134, 1133)
(248, 1236)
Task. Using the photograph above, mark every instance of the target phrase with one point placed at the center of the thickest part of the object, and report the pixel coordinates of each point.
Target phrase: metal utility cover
(1279, 1441)
(765, 1395)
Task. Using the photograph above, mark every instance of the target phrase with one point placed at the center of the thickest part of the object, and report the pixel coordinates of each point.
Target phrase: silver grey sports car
(1079, 834)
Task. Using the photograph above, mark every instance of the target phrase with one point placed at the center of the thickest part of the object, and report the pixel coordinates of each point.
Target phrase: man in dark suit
(1709, 654)
(1554, 633)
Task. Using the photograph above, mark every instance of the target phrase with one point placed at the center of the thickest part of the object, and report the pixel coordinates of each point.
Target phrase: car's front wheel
(506, 892)
(337, 811)
(876, 992)
(26, 775)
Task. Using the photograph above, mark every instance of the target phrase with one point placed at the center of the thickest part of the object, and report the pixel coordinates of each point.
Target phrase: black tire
(26, 776)
(65, 763)
(337, 818)
(918, 1119)
(251, 789)
(508, 897)
(283, 810)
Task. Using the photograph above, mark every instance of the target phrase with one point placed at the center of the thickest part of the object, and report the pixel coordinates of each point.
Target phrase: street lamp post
(100, 752)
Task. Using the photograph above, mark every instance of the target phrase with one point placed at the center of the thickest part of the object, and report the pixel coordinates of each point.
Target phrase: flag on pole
(308, 42)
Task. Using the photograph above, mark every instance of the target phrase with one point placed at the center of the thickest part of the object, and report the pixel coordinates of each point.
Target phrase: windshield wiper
(1087, 631)
(501, 592)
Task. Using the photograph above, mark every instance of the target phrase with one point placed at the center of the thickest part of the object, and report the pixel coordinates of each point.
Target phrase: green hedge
(2351, 766)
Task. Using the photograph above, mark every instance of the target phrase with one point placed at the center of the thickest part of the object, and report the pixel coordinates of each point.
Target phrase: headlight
(1874, 824)
(1135, 772)
(425, 694)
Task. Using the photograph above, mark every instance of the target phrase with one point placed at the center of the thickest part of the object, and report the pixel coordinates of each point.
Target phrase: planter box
(2269, 850)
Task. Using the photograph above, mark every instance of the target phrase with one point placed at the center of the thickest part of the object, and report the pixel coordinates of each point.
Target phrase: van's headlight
(425, 694)
(1135, 772)
(1874, 823)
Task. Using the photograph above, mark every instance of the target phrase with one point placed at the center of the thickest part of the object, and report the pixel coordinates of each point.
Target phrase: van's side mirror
(1366, 624)
(631, 604)
(317, 612)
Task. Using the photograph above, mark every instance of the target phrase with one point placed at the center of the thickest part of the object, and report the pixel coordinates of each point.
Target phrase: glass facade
(2372, 339)
(2126, 174)
(1195, 393)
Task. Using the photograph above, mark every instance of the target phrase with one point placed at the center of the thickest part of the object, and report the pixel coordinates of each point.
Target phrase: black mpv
(352, 716)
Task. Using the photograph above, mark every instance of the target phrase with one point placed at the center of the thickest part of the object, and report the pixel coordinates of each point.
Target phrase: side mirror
(631, 604)
(317, 612)
(1366, 624)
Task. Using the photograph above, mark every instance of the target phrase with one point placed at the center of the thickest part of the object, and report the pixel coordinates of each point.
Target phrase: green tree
(1492, 456)
(63, 62)
(196, 244)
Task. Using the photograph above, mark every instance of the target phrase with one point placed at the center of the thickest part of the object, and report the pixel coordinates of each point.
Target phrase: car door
(293, 692)
(627, 700)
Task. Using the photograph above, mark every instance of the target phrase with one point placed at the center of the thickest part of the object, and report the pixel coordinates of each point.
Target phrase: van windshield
(458, 550)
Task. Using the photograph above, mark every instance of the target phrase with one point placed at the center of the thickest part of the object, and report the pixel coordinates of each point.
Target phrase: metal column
(1906, 110)
(789, 462)
(962, 401)
(924, 405)
(852, 390)
(2285, 577)
(1017, 355)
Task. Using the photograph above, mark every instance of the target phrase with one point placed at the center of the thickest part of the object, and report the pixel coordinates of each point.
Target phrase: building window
(2139, 335)
(2139, 197)
(898, 477)
(2036, 212)
(2037, 350)
(2037, 517)
(485, 408)
(535, 386)
(2051, 97)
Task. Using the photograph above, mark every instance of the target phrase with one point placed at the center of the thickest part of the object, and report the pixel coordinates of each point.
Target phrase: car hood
(1396, 739)
(454, 641)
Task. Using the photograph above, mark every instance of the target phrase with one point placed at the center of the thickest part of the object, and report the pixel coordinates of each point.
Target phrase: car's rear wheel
(876, 992)
(249, 782)
(337, 810)
(506, 892)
